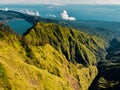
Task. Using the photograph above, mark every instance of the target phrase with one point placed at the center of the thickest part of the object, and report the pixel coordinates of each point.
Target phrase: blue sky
(62, 1)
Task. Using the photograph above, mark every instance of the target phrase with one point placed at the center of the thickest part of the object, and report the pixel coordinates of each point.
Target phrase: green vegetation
(48, 57)
(52, 57)
(77, 46)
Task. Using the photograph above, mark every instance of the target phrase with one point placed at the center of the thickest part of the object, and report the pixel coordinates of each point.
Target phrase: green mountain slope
(40, 60)
(77, 46)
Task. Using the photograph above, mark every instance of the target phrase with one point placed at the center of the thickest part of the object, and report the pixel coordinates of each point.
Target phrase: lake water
(20, 26)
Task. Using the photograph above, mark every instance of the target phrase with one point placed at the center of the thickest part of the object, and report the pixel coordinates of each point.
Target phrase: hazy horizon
(59, 2)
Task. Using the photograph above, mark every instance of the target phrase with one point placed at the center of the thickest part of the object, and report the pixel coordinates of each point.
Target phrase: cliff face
(47, 57)
(108, 77)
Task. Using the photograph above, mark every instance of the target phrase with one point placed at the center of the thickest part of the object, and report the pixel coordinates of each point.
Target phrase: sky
(60, 1)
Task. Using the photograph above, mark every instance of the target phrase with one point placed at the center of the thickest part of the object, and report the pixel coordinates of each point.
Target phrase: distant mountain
(105, 30)
(14, 15)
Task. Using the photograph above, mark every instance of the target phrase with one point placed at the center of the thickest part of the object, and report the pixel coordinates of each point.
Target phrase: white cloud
(4, 9)
(52, 15)
(65, 16)
(36, 13)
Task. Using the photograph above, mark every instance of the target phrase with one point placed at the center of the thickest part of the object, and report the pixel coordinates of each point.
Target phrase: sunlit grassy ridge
(76, 45)
(40, 60)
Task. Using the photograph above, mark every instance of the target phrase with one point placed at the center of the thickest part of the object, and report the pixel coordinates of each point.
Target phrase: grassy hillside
(40, 59)
(77, 46)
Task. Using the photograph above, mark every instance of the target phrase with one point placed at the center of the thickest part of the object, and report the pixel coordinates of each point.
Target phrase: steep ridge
(76, 45)
(36, 61)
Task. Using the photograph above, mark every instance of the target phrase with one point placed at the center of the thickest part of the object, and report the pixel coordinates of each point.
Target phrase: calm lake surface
(19, 26)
